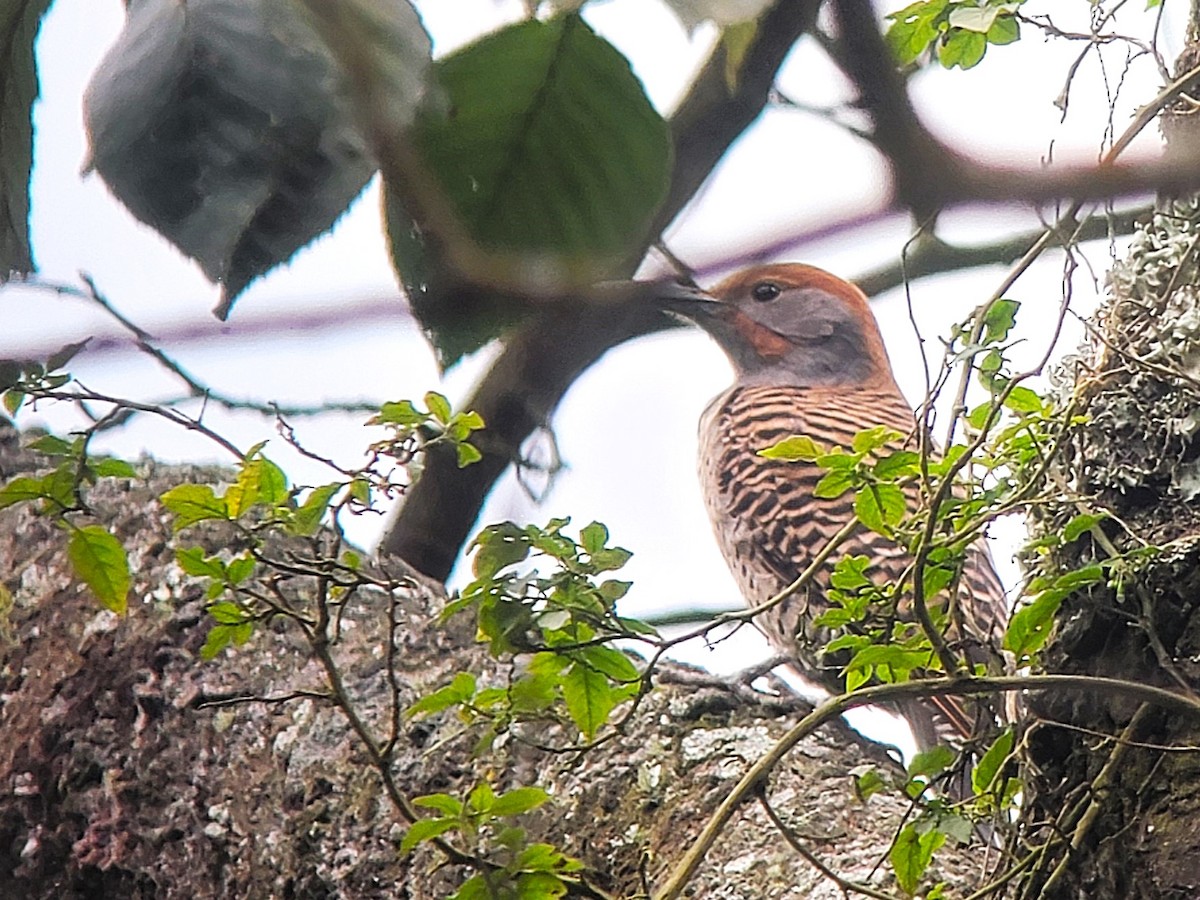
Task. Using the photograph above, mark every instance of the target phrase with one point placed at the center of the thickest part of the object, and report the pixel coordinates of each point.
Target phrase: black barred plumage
(810, 361)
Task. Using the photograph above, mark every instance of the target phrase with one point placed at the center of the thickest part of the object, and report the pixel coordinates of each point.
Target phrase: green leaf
(425, 830)
(439, 406)
(1081, 524)
(897, 464)
(1006, 30)
(240, 568)
(983, 776)
(548, 150)
(545, 858)
(796, 447)
(259, 481)
(113, 468)
(611, 662)
(219, 637)
(461, 689)
(540, 886)
(911, 854)
(400, 413)
(227, 613)
(593, 537)
(930, 763)
(880, 507)
(474, 888)
(589, 698)
(498, 547)
(467, 454)
(192, 503)
(867, 781)
(1024, 400)
(194, 561)
(999, 320)
(962, 48)
(22, 490)
(834, 484)
(443, 803)
(481, 798)
(914, 28)
(1030, 625)
(519, 800)
(307, 518)
(52, 445)
(99, 559)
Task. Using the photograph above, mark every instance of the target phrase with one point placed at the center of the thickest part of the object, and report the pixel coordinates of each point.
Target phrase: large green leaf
(19, 20)
(549, 152)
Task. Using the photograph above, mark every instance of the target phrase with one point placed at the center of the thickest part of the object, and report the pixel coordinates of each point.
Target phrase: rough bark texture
(1131, 811)
(117, 783)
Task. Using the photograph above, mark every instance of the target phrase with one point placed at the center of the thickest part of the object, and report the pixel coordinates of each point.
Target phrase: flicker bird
(809, 359)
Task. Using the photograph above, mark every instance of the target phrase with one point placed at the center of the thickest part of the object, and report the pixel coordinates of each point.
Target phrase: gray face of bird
(788, 325)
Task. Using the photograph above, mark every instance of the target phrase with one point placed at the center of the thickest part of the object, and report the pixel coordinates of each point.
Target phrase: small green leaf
(611, 662)
(192, 503)
(1080, 524)
(194, 561)
(307, 518)
(481, 799)
(983, 776)
(1006, 30)
(461, 689)
(219, 637)
(21, 490)
(911, 854)
(467, 454)
(443, 803)
(834, 484)
(1030, 625)
(519, 800)
(498, 547)
(439, 406)
(99, 559)
(426, 830)
(867, 781)
(474, 888)
(999, 320)
(930, 763)
(593, 537)
(796, 447)
(897, 464)
(400, 413)
(227, 613)
(1024, 400)
(52, 445)
(113, 468)
(962, 48)
(240, 568)
(589, 698)
(259, 481)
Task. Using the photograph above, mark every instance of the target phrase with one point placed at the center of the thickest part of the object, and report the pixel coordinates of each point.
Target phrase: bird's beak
(686, 300)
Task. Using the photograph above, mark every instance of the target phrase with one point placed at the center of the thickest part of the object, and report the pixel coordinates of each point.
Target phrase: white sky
(627, 428)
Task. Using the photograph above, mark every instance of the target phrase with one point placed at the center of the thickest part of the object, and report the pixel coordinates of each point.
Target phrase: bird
(809, 359)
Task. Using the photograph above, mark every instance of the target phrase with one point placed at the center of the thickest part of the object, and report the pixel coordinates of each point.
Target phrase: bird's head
(790, 324)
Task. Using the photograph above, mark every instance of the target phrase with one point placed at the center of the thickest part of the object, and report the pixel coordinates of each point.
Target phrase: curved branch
(869, 696)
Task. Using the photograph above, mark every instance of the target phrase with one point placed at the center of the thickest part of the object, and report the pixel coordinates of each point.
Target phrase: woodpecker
(809, 359)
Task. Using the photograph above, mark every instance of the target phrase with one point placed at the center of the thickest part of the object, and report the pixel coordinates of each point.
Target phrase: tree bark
(131, 770)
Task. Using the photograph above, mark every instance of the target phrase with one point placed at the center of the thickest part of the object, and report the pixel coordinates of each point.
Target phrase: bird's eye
(765, 290)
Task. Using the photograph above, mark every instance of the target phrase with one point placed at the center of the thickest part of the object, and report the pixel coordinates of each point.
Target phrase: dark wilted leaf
(226, 126)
